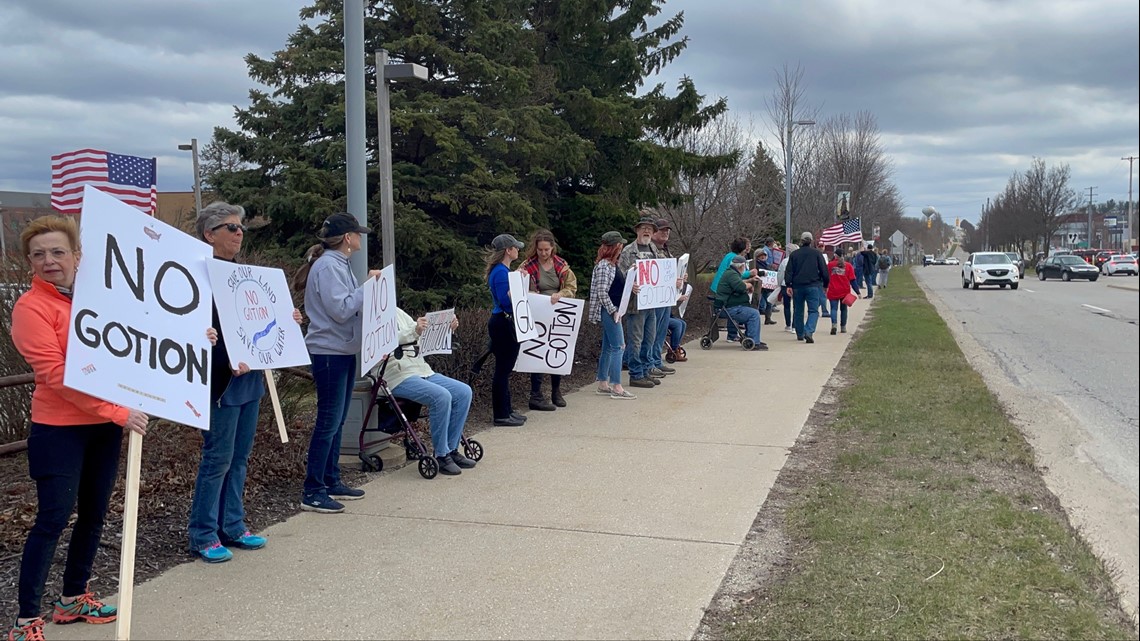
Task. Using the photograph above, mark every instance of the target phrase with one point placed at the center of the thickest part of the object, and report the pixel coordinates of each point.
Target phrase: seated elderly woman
(410, 377)
(732, 294)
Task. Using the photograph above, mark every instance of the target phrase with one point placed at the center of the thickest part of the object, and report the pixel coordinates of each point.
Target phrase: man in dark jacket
(732, 294)
(806, 280)
(870, 260)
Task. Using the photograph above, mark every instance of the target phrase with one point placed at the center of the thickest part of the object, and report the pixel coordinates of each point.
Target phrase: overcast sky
(965, 91)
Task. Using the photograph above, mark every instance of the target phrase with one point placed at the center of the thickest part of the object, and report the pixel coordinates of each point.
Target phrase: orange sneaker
(30, 631)
(85, 608)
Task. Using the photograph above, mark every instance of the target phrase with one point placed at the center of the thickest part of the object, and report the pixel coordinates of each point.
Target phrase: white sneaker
(624, 395)
(790, 330)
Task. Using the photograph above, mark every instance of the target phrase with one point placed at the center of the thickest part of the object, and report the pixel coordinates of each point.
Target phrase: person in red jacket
(73, 441)
(838, 287)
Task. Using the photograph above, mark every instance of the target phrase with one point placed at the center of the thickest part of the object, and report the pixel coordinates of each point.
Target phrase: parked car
(953, 260)
(989, 268)
(1066, 268)
(1120, 264)
(1015, 258)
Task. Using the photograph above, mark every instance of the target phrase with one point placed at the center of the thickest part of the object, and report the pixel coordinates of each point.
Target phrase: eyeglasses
(233, 228)
(40, 255)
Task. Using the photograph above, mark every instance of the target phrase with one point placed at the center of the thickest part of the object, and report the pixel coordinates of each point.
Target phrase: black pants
(536, 383)
(505, 347)
(70, 464)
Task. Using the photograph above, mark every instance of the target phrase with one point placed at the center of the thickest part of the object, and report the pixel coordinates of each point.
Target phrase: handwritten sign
(658, 280)
(140, 313)
(525, 328)
(436, 339)
(775, 257)
(685, 303)
(256, 311)
(552, 351)
(379, 332)
(627, 291)
(682, 270)
(768, 279)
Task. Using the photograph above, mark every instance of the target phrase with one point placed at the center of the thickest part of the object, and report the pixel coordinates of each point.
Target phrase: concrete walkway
(606, 519)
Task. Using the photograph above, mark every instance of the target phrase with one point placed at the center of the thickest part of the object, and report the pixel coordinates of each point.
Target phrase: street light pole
(193, 149)
(1130, 226)
(384, 73)
(788, 180)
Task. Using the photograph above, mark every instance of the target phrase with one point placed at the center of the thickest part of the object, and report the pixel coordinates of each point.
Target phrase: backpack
(884, 263)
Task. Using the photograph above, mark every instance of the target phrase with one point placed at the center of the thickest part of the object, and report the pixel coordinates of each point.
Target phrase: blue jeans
(838, 306)
(334, 375)
(662, 314)
(677, 328)
(613, 345)
(641, 329)
(812, 298)
(869, 280)
(448, 402)
(217, 512)
(749, 317)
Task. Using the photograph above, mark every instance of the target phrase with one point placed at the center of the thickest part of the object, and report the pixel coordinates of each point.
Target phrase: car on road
(989, 268)
(1016, 258)
(1102, 257)
(1120, 264)
(1066, 268)
(927, 259)
(953, 260)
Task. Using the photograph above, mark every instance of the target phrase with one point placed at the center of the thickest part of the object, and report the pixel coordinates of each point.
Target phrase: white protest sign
(682, 269)
(436, 339)
(256, 311)
(685, 303)
(627, 291)
(140, 314)
(378, 317)
(552, 351)
(768, 279)
(525, 328)
(658, 280)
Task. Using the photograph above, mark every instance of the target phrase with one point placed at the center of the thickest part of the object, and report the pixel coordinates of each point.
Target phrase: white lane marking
(1031, 291)
(1098, 310)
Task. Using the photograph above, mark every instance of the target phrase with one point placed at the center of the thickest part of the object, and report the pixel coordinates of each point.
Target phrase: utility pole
(1090, 228)
(986, 218)
(1129, 226)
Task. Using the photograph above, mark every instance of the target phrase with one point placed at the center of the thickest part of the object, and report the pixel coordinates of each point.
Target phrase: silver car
(989, 268)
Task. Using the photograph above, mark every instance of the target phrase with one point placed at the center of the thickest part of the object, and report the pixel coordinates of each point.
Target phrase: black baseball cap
(341, 223)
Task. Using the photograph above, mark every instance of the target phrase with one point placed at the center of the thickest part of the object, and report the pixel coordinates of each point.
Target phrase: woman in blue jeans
(448, 401)
(606, 287)
(217, 514)
(333, 301)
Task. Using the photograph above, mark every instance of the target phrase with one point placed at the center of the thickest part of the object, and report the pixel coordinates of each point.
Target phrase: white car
(1120, 264)
(953, 260)
(989, 268)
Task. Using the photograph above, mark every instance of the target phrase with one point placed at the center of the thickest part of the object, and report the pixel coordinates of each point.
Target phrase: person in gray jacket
(333, 302)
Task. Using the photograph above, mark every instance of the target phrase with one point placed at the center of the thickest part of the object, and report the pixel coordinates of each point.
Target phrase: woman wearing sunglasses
(217, 514)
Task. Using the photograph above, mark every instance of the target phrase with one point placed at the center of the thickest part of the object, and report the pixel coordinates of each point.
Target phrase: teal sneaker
(248, 541)
(216, 553)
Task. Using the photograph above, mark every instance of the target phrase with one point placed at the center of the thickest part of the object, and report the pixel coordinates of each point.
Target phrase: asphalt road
(1078, 342)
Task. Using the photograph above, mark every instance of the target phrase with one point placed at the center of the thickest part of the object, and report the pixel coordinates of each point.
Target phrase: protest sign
(657, 278)
(627, 291)
(256, 311)
(378, 318)
(552, 351)
(682, 270)
(767, 279)
(775, 257)
(685, 303)
(520, 307)
(140, 313)
(436, 339)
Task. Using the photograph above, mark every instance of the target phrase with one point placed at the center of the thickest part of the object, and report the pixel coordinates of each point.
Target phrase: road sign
(897, 239)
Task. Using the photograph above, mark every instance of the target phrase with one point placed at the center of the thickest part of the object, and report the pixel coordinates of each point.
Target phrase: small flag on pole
(131, 179)
(844, 232)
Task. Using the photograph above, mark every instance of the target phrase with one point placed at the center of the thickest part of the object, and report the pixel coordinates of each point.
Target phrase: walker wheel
(706, 342)
(372, 463)
(411, 452)
(473, 450)
(747, 344)
(428, 467)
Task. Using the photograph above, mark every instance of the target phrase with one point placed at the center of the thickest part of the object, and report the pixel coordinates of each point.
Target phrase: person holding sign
(640, 325)
(504, 343)
(410, 377)
(333, 302)
(550, 275)
(740, 246)
(606, 286)
(73, 441)
(732, 294)
(217, 515)
(663, 314)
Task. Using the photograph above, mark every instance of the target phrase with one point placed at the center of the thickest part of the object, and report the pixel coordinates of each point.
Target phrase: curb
(1127, 288)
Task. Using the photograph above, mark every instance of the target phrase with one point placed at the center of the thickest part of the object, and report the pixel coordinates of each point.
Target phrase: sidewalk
(605, 519)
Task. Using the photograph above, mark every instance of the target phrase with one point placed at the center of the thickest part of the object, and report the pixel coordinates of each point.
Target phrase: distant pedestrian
(550, 275)
(885, 265)
(841, 275)
(870, 261)
(806, 277)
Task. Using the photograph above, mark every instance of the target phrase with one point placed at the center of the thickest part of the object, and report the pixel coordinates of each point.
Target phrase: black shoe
(541, 404)
(809, 339)
(769, 322)
(462, 461)
(833, 330)
(799, 338)
(517, 416)
(641, 382)
(655, 381)
(556, 398)
(510, 421)
(447, 466)
(760, 347)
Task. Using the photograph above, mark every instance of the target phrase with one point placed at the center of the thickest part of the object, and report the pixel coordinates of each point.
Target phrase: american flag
(844, 232)
(129, 178)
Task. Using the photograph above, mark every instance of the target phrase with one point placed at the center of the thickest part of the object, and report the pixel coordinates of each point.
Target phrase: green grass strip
(927, 519)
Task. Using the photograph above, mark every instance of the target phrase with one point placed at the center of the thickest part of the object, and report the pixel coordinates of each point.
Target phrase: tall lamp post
(193, 149)
(384, 73)
(788, 180)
